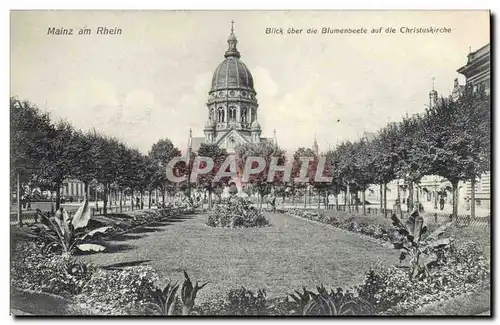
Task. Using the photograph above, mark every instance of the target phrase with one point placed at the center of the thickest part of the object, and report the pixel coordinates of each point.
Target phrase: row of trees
(451, 139)
(44, 154)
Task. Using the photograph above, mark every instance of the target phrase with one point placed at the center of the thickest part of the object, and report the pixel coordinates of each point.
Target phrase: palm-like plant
(69, 233)
(420, 252)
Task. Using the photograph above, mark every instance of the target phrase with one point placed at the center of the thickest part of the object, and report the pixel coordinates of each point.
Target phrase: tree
(303, 187)
(385, 159)
(105, 150)
(364, 161)
(458, 133)
(84, 167)
(414, 151)
(29, 133)
(344, 168)
(474, 118)
(207, 181)
(161, 153)
(266, 150)
(61, 157)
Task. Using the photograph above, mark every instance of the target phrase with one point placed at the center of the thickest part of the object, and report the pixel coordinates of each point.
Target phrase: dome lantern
(232, 51)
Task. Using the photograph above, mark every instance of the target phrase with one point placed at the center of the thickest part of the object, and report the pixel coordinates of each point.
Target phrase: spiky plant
(301, 298)
(164, 300)
(188, 294)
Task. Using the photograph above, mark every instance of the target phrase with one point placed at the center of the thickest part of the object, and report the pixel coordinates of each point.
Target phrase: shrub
(236, 212)
(460, 269)
(126, 291)
(56, 274)
(246, 302)
(240, 302)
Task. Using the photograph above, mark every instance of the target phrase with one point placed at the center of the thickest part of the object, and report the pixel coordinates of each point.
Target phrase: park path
(290, 253)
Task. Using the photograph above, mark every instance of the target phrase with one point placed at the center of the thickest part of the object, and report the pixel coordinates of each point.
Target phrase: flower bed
(118, 292)
(130, 291)
(377, 228)
(460, 268)
(56, 274)
(236, 212)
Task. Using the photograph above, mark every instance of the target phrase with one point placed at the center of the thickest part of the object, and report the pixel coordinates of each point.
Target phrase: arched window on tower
(220, 115)
(244, 115)
(232, 114)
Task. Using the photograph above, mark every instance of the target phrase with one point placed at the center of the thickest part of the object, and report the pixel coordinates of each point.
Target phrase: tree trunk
(132, 199)
(105, 203)
(385, 200)
(348, 195)
(96, 199)
(454, 184)
(141, 203)
(364, 204)
(357, 205)
(58, 196)
(309, 196)
(121, 201)
(337, 201)
(210, 198)
(87, 190)
(163, 198)
(473, 198)
(19, 203)
(409, 202)
(345, 199)
(319, 199)
(381, 185)
(149, 200)
(305, 198)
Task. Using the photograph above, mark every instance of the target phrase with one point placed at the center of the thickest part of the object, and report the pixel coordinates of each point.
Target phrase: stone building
(232, 107)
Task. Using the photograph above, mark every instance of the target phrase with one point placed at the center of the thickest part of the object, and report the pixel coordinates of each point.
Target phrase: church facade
(232, 107)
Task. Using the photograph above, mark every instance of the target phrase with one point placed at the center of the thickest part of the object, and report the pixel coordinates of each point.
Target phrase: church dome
(232, 73)
(255, 125)
(210, 125)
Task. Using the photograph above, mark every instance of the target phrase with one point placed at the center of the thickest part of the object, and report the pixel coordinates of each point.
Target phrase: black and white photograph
(272, 163)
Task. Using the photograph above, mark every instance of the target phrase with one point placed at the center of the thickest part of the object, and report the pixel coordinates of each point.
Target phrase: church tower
(315, 146)
(232, 103)
(433, 96)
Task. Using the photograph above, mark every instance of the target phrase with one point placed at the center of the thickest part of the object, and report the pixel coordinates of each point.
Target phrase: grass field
(290, 253)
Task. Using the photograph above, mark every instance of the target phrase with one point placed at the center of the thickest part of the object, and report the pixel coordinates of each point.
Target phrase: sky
(152, 81)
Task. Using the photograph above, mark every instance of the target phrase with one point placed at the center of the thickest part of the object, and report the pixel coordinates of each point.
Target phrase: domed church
(232, 104)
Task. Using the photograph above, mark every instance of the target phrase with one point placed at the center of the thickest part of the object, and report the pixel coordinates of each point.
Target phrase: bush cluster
(236, 212)
(461, 269)
(119, 292)
(381, 231)
(56, 274)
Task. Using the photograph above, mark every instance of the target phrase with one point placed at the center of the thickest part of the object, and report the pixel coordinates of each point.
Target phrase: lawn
(290, 253)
